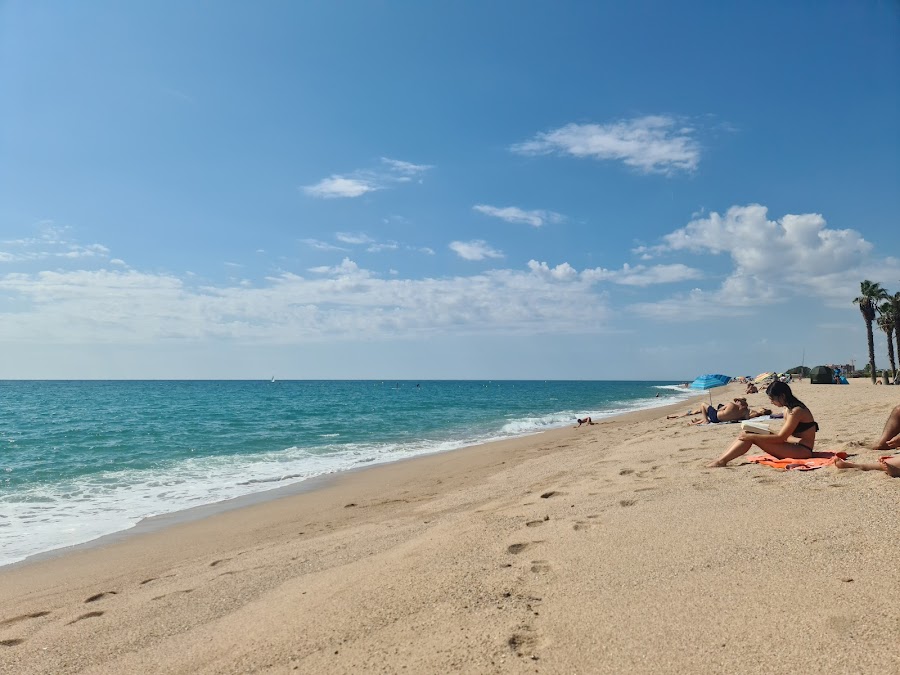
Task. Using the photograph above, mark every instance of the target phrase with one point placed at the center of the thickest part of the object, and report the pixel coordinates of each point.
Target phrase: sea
(84, 459)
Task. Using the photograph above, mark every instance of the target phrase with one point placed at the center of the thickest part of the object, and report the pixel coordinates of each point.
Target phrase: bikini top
(805, 426)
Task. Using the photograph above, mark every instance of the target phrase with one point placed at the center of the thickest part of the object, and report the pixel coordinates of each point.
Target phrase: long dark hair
(782, 390)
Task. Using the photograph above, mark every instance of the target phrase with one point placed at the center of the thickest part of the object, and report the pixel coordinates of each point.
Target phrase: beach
(604, 549)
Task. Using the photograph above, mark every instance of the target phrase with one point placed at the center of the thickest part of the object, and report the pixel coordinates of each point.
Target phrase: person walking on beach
(799, 425)
(890, 440)
(586, 420)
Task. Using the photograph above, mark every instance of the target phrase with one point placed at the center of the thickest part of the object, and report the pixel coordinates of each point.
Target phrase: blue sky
(443, 190)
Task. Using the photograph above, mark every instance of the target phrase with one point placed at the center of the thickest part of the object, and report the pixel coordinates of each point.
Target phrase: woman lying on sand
(730, 412)
(798, 424)
(890, 439)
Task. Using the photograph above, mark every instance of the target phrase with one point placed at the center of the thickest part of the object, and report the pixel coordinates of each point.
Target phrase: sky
(444, 190)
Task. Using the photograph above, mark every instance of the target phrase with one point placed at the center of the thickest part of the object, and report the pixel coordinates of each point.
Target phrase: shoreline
(559, 552)
(211, 509)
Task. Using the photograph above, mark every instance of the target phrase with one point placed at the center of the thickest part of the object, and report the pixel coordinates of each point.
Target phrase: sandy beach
(605, 549)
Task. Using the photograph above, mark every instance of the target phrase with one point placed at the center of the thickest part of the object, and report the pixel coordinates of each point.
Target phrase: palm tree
(870, 293)
(887, 321)
(895, 304)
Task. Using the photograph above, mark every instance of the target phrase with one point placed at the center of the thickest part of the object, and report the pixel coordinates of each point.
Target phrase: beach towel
(817, 461)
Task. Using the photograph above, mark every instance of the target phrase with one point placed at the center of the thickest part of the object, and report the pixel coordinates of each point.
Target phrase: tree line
(875, 302)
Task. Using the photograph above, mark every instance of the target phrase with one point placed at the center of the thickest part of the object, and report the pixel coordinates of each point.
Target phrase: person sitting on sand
(799, 425)
(751, 389)
(730, 412)
(890, 440)
(586, 420)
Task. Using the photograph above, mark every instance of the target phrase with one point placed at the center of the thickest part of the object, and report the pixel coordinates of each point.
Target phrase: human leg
(891, 466)
(890, 436)
(736, 449)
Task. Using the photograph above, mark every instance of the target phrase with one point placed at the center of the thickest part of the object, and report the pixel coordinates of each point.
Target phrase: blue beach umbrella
(705, 382)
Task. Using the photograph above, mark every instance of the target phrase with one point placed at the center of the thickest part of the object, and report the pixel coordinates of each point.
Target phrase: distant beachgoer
(751, 389)
(799, 424)
(586, 420)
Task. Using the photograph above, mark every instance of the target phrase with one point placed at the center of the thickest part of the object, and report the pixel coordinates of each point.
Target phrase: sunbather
(759, 412)
(730, 412)
(799, 425)
(742, 402)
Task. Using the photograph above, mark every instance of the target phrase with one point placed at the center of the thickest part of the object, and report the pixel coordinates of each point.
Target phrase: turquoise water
(82, 459)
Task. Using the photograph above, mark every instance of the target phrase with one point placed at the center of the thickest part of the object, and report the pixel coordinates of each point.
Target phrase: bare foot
(841, 464)
(717, 464)
(892, 469)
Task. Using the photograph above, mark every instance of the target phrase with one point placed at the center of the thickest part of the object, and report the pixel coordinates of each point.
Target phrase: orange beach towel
(817, 461)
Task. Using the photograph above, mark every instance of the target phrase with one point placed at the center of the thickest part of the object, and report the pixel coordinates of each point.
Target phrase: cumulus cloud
(358, 183)
(651, 144)
(476, 249)
(513, 214)
(772, 261)
(562, 272)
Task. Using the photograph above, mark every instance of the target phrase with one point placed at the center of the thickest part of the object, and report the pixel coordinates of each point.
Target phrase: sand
(604, 549)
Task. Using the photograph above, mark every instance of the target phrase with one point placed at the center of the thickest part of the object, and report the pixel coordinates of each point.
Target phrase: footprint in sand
(516, 548)
(184, 592)
(628, 502)
(23, 617)
(536, 523)
(99, 596)
(547, 495)
(625, 472)
(11, 643)
(218, 562)
(540, 566)
(581, 525)
(89, 615)
(520, 643)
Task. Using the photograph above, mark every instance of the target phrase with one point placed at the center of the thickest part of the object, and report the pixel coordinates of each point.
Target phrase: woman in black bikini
(798, 425)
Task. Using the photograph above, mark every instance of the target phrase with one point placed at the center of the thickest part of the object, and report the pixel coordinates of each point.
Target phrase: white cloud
(321, 245)
(513, 214)
(339, 186)
(474, 250)
(339, 302)
(405, 168)
(796, 256)
(353, 238)
(378, 247)
(651, 144)
(363, 181)
(52, 241)
(562, 272)
(641, 275)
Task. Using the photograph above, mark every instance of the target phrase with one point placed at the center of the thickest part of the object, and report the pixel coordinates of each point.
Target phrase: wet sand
(605, 549)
